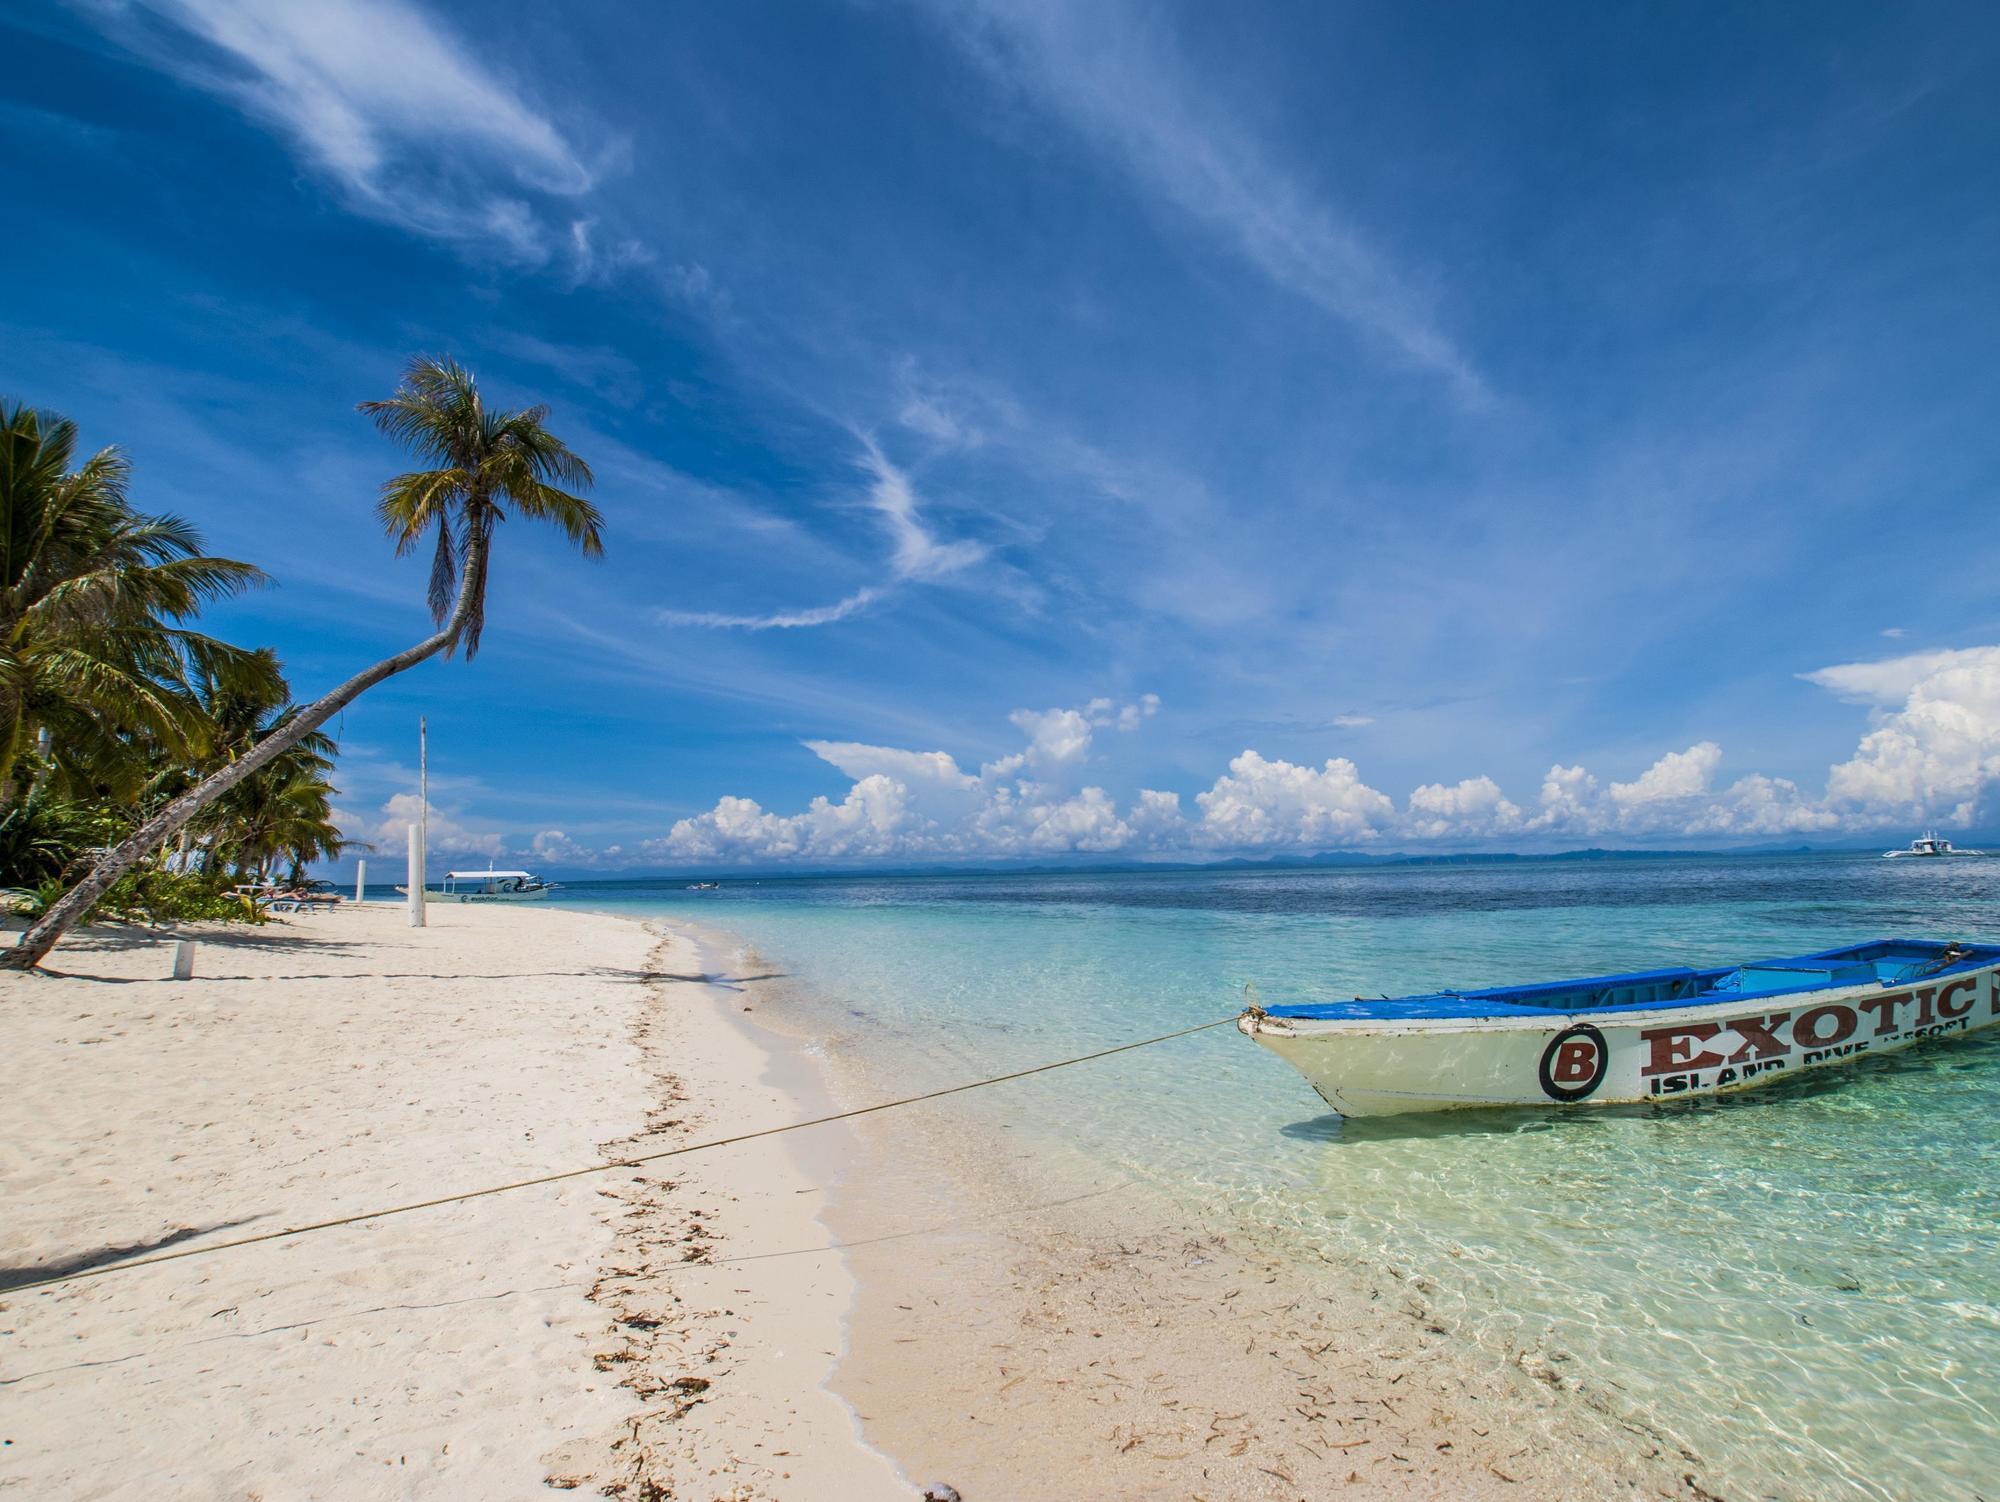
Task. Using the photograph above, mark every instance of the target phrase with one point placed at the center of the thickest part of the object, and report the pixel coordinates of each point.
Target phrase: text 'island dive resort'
(999, 752)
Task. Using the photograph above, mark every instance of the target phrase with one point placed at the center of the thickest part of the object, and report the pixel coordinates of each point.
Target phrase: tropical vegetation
(111, 700)
(193, 751)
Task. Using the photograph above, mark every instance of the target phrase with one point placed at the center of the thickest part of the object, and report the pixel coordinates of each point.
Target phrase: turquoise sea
(1800, 1285)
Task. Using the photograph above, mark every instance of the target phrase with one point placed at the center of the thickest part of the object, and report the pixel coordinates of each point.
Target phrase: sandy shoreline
(343, 1063)
(1014, 1324)
(1026, 1317)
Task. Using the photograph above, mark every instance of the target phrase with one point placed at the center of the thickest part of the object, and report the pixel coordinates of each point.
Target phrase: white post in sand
(360, 880)
(183, 959)
(416, 877)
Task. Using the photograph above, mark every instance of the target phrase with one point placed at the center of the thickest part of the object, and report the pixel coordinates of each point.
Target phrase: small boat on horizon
(1931, 844)
(1651, 1036)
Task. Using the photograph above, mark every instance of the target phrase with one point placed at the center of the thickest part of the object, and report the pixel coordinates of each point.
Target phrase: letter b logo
(1573, 1064)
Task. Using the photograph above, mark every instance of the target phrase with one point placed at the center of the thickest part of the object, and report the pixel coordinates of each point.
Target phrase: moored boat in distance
(1929, 844)
(491, 886)
(1651, 1036)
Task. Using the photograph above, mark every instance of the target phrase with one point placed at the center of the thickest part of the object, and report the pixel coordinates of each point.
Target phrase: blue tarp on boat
(1885, 962)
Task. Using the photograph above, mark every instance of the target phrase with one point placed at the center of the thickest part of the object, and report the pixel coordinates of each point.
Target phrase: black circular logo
(1573, 1064)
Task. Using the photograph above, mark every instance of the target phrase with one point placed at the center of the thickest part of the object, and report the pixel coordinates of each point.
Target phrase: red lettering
(1672, 1047)
(1575, 1062)
(1884, 1008)
(1924, 999)
(1965, 985)
(1807, 1029)
(1759, 1039)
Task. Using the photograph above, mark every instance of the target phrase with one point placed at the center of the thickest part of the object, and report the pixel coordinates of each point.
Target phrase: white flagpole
(420, 831)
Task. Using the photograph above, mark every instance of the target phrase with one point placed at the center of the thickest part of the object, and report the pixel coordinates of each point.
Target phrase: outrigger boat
(491, 886)
(1655, 1035)
(1929, 845)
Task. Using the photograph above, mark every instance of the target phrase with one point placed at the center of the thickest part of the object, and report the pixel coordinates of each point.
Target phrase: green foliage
(40, 836)
(112, 705)
(97, 654)
(485, 461)
(152, 896)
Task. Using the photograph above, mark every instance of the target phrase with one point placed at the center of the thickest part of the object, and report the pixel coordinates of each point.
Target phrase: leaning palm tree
(483, 463)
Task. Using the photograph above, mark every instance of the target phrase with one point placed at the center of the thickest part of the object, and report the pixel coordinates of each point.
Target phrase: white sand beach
(325, 1066)
(680, 1329)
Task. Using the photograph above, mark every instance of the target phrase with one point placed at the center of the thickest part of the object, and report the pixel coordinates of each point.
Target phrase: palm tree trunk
(79, 899)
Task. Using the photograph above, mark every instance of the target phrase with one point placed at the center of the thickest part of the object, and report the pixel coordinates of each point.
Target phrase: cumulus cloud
(922, 803)
(1931, 752)
(872, 820)
(1935, 753)
(399, 114)
(551, 847)
(1474, 809)
(387, 829)
(1260, 803)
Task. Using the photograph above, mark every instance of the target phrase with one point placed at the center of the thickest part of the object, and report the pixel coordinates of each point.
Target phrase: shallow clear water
(1801, 1285)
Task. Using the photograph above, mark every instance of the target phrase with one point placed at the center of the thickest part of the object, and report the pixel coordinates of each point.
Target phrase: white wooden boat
(1657, 1035)
(491, 886)
(1929, 845)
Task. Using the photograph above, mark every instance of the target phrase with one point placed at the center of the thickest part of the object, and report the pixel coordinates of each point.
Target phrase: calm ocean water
(1801, 1285)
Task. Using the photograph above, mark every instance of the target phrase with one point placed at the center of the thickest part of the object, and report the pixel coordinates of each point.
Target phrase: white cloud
(1676, 778)
(1568, 796)
(1353, 721)
(1474, 809)
(1890, 682)
(1266, 803)
(818, 615)
(387, 829)
(400, 114)
(554, 848)
(1936, 753)
(870, 821)
(912, 803)
(916, 555)
(1931, 753)
(918, 552)
(1105, 713)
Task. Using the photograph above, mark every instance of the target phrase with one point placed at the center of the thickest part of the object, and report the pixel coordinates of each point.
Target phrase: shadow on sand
(83, 1262)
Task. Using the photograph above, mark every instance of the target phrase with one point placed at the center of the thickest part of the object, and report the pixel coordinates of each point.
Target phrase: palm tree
(283, 808)
(95, 653)
(483, 462)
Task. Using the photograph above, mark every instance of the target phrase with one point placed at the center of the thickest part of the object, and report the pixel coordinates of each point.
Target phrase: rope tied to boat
(632, 1161)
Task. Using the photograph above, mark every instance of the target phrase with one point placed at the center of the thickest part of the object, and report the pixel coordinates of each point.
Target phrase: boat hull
(485, 896)
(1372, 1067)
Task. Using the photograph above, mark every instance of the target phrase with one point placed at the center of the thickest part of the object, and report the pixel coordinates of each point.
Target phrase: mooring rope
(604, 1167)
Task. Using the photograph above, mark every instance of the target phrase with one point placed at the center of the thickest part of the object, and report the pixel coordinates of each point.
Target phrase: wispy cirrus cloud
(1099, 69)
(779, 620)
(390, 106)
(917, 554)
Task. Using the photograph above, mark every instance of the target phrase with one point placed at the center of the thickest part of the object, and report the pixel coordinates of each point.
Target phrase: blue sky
(1037, 428)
